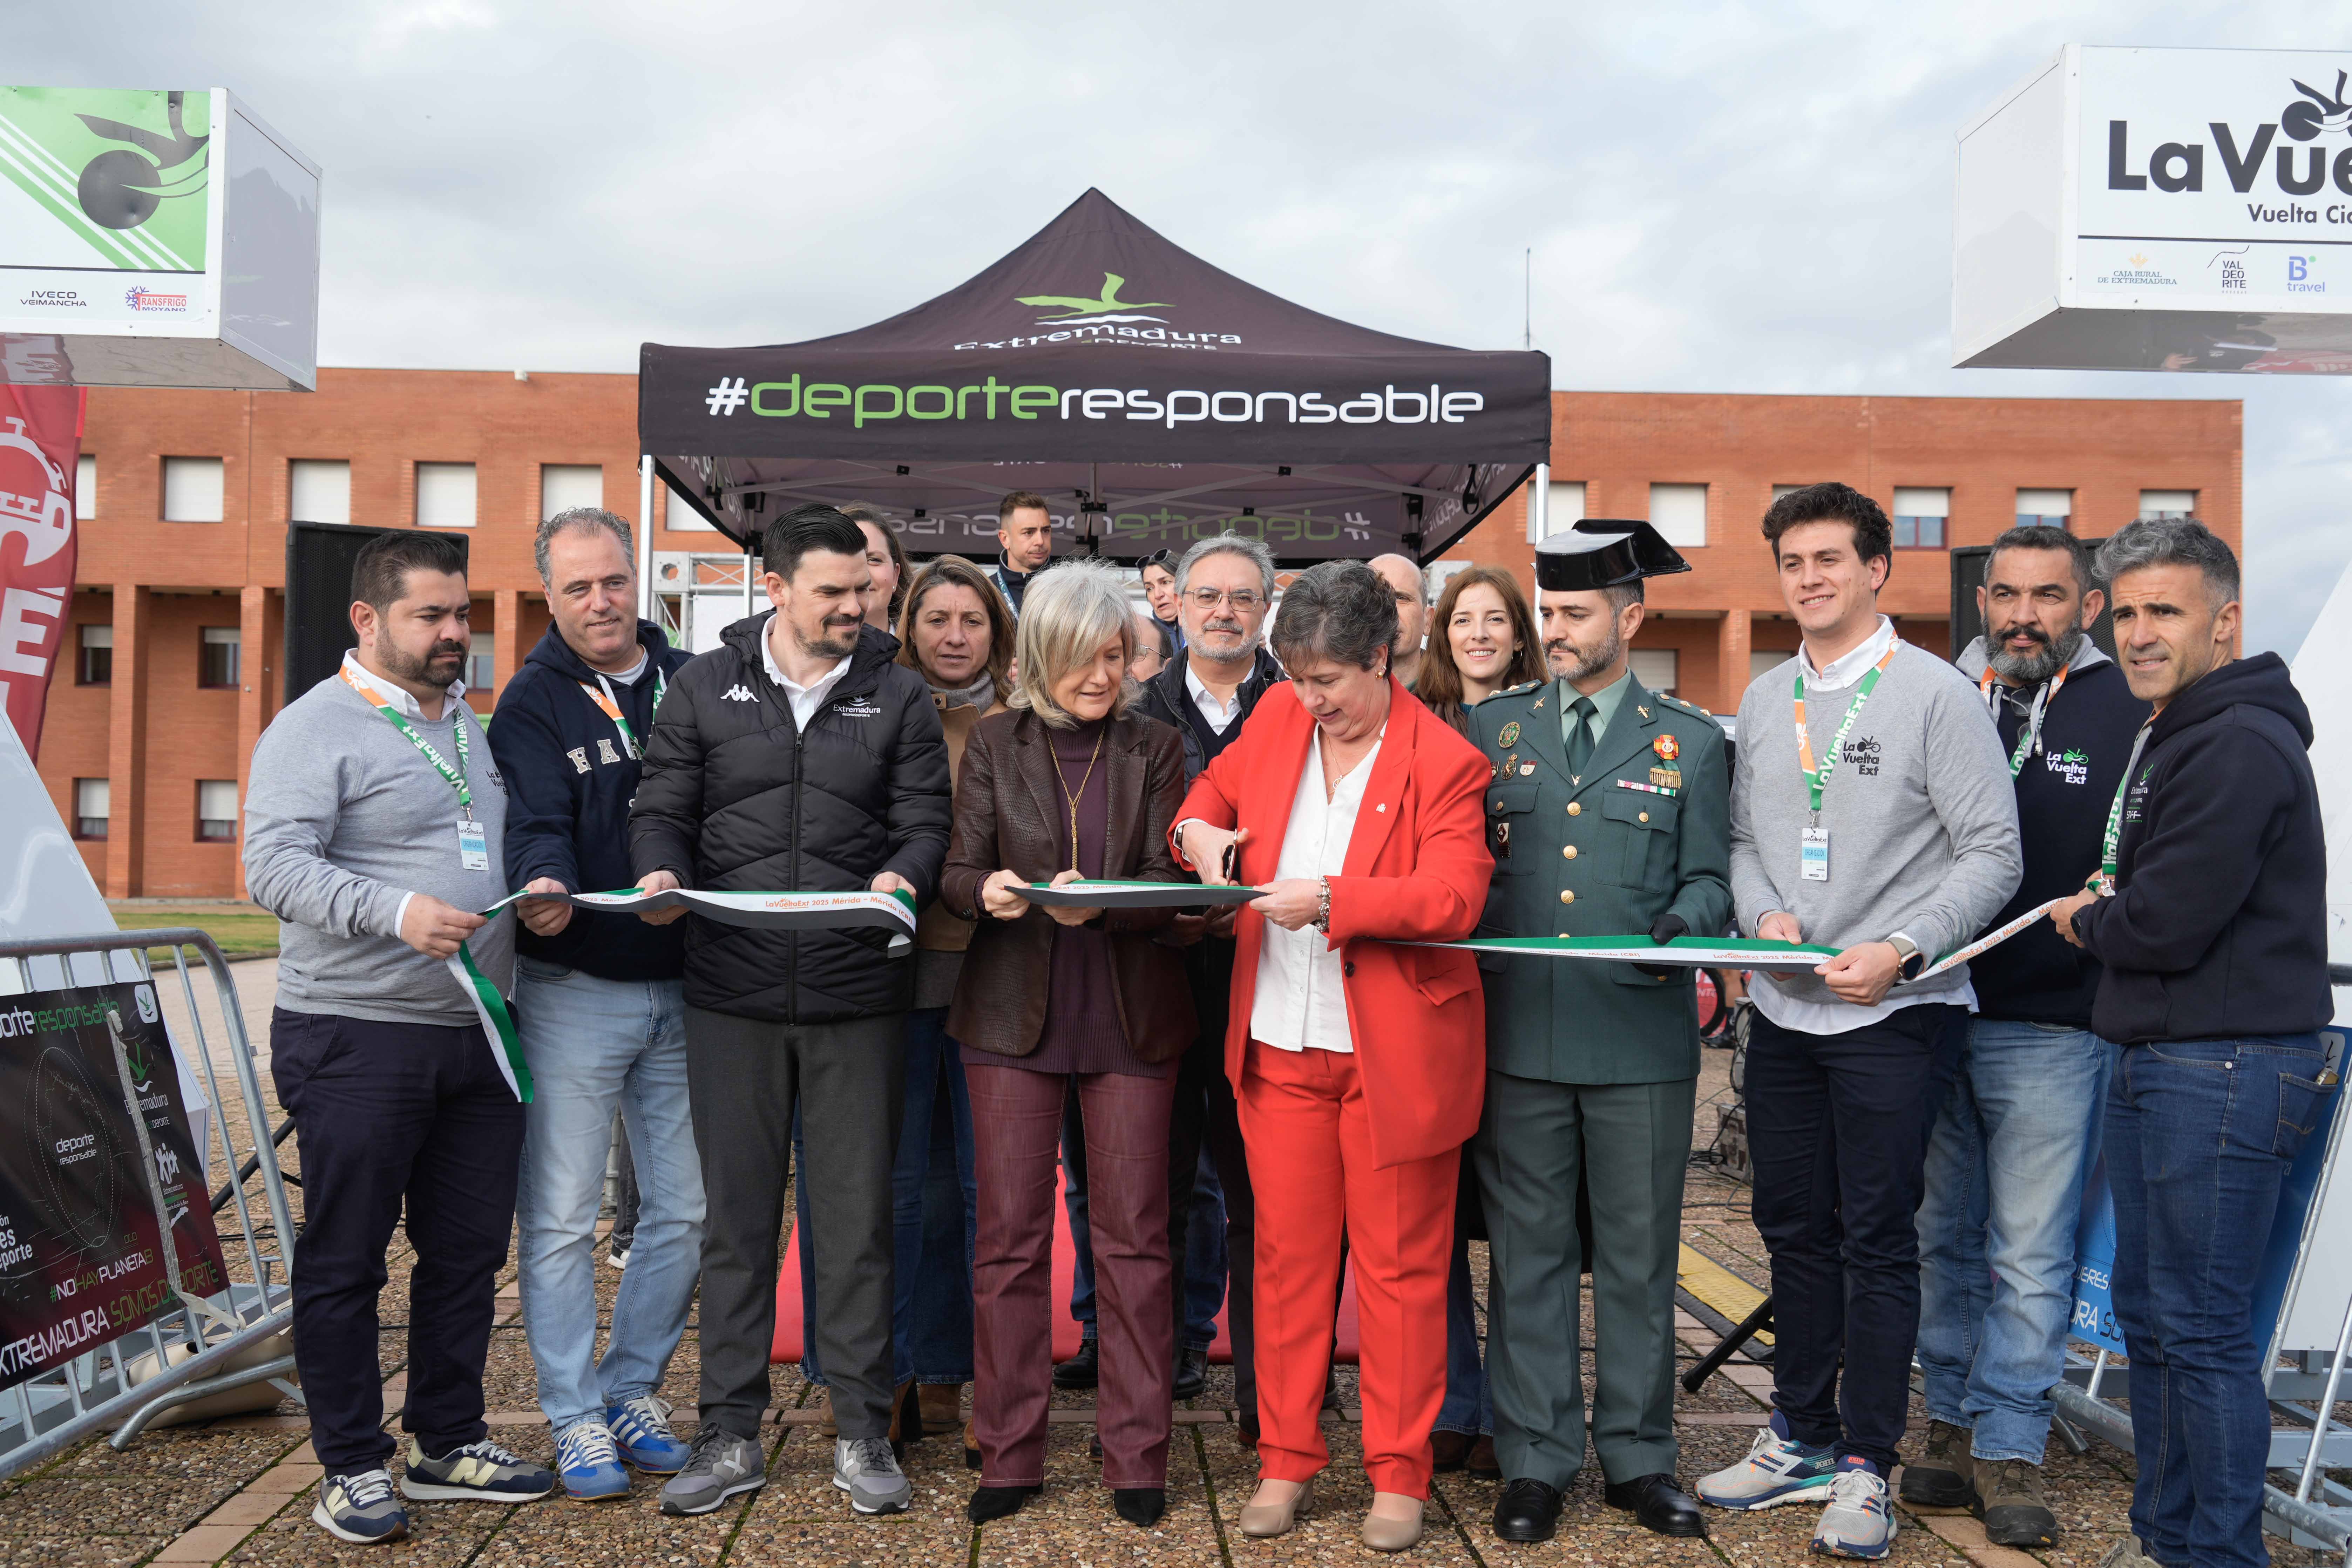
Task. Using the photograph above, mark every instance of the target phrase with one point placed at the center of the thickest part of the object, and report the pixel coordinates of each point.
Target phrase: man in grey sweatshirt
(372, 826)
(1870, 813)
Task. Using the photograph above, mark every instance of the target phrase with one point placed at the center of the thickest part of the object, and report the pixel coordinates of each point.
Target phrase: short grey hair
(2172, 541)
(1066, 615)
(585, 519)
(1340, 610)
(1254, 550)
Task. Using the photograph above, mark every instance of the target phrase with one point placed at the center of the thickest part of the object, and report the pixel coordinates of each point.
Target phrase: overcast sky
(1720, 198)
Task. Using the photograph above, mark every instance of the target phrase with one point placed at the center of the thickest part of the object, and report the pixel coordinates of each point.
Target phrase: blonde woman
(1069, 785)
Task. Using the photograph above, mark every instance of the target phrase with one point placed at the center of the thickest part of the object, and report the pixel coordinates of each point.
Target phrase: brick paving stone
(440, 1536)
(245, 1509)
(203, 1543)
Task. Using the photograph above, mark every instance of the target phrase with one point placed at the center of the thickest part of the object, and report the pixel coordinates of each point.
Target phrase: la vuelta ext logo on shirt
(2072, 766)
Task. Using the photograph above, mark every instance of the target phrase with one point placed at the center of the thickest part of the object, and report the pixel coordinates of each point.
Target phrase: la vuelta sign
(2222, 178)
(40, 447)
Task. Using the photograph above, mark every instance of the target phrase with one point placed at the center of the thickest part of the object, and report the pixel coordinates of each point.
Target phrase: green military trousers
(1629, 1143)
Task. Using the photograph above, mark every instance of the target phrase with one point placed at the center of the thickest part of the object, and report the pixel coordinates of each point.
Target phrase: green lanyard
(601, 694)
(2106, 881)
(1817, 778)
(454, 778)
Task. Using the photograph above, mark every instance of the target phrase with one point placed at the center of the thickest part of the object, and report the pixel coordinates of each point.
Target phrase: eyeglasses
(1241, 599)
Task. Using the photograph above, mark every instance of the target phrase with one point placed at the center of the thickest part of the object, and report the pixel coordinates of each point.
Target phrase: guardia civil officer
(1608, 814)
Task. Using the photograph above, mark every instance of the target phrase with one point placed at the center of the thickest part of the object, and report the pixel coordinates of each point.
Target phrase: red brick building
(169, 672)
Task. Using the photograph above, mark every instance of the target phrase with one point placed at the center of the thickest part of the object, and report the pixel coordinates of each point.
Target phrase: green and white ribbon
(498, 1022)
(1111, 893)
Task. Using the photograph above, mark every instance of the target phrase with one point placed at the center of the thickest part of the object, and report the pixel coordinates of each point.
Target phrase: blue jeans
(2018, 1132)
(2200, 1135)
(1468, 1408)
(596, 1046)
(1205, 1261)
(934, 1202)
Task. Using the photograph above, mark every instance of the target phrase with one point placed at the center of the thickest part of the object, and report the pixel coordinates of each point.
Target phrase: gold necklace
(1073, 797)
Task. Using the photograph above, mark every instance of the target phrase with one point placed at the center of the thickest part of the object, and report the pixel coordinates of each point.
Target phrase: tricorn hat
(1604, 552)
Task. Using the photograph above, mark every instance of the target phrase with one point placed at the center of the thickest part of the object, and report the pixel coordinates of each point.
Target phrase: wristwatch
(1909, 960)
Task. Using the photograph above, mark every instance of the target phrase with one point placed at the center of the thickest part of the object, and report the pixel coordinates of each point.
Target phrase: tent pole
(645, 537)
(747, 575)
(1539, 504)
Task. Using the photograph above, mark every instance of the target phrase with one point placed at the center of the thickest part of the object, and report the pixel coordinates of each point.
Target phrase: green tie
(1580, 734)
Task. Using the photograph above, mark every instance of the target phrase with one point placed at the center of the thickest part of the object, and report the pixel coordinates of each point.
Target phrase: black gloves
(1666, 927)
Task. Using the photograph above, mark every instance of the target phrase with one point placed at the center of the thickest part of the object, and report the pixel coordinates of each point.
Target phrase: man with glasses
(1401, 574)
(1225, 593)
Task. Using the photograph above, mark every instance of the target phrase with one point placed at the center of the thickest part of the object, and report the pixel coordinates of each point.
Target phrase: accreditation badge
(473, 845)
(1813, 854)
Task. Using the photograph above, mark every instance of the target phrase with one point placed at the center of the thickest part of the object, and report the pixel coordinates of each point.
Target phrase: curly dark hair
(1873, 536)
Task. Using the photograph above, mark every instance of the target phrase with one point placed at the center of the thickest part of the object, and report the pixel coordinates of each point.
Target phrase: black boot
(997, 1502)
(1083, 1370)
(1139, 1506)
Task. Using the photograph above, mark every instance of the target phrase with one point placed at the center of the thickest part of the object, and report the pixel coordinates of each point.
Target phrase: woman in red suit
(1358, 1063)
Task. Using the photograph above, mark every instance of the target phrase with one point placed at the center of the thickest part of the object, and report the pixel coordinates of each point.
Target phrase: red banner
(40, 444)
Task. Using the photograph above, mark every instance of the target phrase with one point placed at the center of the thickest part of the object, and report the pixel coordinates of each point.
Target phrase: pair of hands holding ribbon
(1291, 903)
(546, 917)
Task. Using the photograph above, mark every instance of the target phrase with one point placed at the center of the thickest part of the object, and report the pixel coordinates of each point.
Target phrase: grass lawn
(237, 928)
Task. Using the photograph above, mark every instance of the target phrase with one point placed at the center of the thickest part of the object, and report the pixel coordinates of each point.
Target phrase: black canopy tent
(1150, 397)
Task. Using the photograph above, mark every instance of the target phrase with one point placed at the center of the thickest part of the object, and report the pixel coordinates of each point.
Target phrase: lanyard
(1817, 778)
(2104, 883)
(2030, 736)
(454, 778)
(601, 694)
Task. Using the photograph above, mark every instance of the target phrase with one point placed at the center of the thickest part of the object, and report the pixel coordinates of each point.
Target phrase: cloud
(1720, 197)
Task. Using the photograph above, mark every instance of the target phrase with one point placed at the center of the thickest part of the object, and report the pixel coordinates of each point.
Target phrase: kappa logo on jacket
(738, 692)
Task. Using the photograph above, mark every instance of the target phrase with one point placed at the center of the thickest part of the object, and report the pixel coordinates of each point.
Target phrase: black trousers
(743, 1078)
(393, 1116)
(1838, 1125)
(1206, 1111)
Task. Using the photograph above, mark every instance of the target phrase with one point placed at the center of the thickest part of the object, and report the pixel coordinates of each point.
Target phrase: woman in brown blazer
(1069, 785)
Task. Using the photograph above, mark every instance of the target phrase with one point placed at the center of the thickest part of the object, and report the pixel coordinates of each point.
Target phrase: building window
(1760, 659)
(479, 665)
(86, 488)
(1657, 668)
(95, 666)
(562, 486)
(2052, 509)
(1679, 513)
(219, 657)
(1919, 517)
(318, 489)
(1564, 505)
(679, 516)
(2168, 504)
(445, 495)
(192, 489)
(216, 811)
(89, 808)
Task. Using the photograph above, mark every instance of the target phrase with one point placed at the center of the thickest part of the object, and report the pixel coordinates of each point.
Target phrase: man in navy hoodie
(601, 1009)
(2212, 932)
(2020, 1127)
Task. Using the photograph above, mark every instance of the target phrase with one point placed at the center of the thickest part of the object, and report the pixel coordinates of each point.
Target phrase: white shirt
(630, 677)
(1300, 1003)
(1836, 1017)
(1219, 714)
(805, 700)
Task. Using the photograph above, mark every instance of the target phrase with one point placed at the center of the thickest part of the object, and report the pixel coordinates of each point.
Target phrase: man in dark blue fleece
(2212, 931)
(601, 1008)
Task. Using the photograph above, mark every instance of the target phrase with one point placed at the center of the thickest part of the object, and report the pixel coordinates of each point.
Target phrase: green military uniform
(1592, 1068)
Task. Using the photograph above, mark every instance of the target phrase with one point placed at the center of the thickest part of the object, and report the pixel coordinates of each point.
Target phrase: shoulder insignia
(1520, 689)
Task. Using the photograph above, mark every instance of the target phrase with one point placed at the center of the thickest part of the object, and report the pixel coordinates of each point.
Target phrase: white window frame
(1564, 505)
(2157, 503)
(318, 489)
(562, 486)
(448, 495)
(216, 787)
(1677, 529)
(86, 486)
(195, 488)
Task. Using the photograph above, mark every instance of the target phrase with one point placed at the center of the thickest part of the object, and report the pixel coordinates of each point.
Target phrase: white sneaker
(1859, 1521)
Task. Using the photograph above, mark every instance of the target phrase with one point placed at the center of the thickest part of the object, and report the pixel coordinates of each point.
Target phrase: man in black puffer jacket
(796, 757)
(2215, 987)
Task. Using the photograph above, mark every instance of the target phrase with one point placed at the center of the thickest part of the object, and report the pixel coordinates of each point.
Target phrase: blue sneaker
(1859, 1521)
(589, 1464)
(1777, 1470)
(640, 1430)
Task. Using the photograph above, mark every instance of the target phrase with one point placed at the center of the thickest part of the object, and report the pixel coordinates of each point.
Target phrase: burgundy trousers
(1016, 1123)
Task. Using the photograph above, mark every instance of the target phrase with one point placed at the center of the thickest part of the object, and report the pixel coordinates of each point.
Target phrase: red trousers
(1016, 1125)
(1310, 1157)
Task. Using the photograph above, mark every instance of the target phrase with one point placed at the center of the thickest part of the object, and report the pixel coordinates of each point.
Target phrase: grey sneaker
(1945, 1476)
(2127, 1553)
(866, 1469)
(360, 1508)
(477, 1472)
(1860, 1520)
(2015, 1510)
(720, 1466)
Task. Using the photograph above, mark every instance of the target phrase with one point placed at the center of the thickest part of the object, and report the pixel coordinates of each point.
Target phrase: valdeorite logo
(1108, 308)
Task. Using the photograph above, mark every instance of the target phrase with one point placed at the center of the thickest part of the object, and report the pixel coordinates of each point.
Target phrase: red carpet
(790, 1330)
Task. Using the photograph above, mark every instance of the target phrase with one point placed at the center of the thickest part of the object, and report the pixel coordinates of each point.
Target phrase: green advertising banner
(121, 177)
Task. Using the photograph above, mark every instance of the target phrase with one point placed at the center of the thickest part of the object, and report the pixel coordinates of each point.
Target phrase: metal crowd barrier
(199, 1346)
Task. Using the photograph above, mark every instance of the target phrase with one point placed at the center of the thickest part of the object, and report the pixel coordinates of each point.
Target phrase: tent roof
(1150, 397)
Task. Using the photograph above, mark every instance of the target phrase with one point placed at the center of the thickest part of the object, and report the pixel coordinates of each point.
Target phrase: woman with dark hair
(1484, 641)
(1359, 1062)
(1055, 999)
(886, 556)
